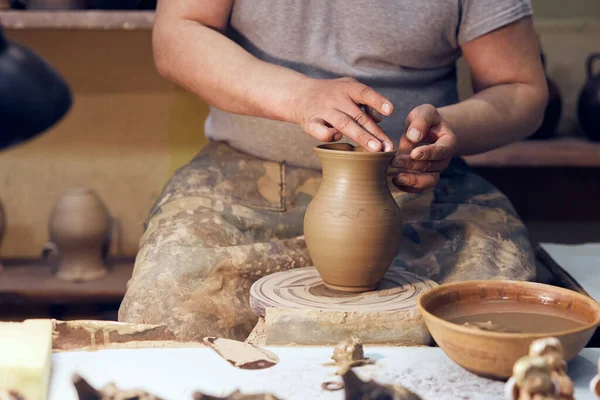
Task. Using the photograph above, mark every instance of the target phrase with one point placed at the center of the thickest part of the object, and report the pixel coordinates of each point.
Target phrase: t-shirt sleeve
(479, 17)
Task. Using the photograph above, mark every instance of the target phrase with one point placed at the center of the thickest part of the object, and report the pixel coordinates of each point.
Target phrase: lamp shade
(33, 96)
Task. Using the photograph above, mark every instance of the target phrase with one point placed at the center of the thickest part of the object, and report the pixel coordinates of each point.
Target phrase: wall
(126, 133)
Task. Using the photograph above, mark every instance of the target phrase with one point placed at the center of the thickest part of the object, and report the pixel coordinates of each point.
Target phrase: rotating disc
(303, 288)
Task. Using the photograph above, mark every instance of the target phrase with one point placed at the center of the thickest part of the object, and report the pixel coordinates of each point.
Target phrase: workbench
(176, 373)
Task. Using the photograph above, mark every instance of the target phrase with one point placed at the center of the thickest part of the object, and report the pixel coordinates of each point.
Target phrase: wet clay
(349, 353)
(85, 391)
(353, 226)
(242, 355)
(237, 395)
(355, 388)
(79, 231)
(531, 380)
(510, 316)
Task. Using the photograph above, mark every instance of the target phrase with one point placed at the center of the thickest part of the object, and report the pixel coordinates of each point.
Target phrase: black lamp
(33, 96)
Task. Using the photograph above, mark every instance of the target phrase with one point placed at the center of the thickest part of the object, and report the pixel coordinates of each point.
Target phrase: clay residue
(355, 388)
(349, 353)
(242, 355)
(76, 335)
(490, 326)
(237, 395)
(85, 391)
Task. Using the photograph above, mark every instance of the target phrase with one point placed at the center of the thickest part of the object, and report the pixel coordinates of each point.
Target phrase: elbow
(538, 107)
(160, 52)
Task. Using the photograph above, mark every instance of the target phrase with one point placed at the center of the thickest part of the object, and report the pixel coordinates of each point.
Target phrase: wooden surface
(35, 282)
(303, 288)
(77, 19)
(561, 152)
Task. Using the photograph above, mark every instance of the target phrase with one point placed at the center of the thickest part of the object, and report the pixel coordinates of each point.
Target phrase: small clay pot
(79, 231)
(588, 107)
(353, 226)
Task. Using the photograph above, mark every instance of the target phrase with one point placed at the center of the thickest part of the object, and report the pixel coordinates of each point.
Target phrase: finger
(348, 127)
(405, 162)
(321, 130)
(417, 180)
(365, 122)
(443, 148)
(362, 94)
(420, 120)
(372, 113)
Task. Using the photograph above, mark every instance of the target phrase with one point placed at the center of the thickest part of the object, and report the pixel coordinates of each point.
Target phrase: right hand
(330, 109)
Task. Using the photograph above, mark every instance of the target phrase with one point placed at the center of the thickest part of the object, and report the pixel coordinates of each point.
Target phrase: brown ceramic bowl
(493, 354)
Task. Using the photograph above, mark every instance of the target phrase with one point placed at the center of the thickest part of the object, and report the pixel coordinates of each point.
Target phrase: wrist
(296, 96)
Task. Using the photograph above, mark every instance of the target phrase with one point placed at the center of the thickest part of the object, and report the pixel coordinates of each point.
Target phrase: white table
(176, 373)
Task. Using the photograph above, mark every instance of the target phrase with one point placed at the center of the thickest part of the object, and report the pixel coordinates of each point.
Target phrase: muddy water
(510, 316)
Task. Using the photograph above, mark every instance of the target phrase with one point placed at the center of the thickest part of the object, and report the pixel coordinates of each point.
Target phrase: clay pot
(588, 108)
(553, 111)
(80, 234)
(352, 226)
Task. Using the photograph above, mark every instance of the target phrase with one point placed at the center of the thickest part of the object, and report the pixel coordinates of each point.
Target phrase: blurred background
(128, 130)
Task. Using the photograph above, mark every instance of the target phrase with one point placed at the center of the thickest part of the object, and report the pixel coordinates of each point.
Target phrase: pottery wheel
(303, 288)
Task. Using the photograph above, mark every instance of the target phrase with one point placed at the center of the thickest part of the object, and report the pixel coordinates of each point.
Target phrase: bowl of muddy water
(486, 326)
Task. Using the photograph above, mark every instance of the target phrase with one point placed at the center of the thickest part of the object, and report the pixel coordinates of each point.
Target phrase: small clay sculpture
(237, 395)
(551, 350)
(531, 380)
(355, 388)
(349, 353)
(242, 355)
(80, 233)
(595, 383)
(85, 391)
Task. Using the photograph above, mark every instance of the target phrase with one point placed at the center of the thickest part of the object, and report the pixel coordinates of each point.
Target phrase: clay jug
(588, 108)
(553, 110)
(352, 226)
(79, 231)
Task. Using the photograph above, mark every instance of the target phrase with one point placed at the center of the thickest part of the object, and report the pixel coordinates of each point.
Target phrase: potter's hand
(424, 151)
(330, 109)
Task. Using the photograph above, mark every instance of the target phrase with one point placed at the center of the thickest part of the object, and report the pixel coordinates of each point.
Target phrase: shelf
(562, 152)
(83, 19)
(34, 281)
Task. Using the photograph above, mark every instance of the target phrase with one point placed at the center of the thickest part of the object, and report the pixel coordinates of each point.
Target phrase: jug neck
(362, 170)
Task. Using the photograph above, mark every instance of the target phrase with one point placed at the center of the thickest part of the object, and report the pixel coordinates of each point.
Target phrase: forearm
(207, 63)
(496, 116)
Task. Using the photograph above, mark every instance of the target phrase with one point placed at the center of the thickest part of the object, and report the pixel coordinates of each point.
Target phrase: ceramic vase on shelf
(353, 226)
(588, 107)
(80, 233)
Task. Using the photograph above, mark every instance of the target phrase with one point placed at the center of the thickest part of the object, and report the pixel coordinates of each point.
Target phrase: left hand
(424, 151)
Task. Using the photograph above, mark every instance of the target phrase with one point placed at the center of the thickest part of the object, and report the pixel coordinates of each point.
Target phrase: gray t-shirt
(405, 49)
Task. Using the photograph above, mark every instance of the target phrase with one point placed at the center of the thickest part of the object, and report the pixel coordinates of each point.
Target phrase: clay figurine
(237, 395)
(595, 383)
(349, 353)
(355, 388)
(551, 350)
(80, 233)
(531, 380)
(352, 226)
(85, 391)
